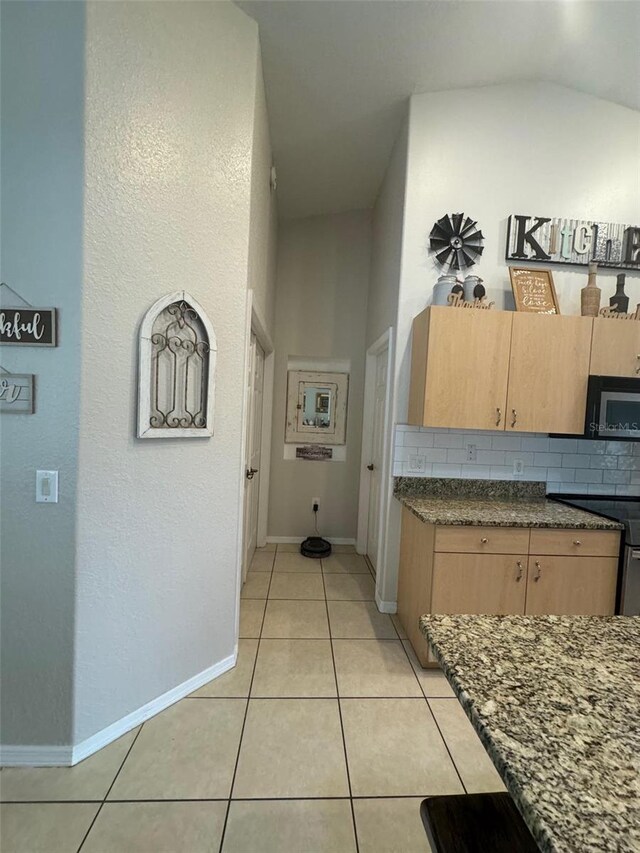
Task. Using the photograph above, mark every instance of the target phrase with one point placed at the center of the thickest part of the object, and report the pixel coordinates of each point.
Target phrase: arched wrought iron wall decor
(176, 370)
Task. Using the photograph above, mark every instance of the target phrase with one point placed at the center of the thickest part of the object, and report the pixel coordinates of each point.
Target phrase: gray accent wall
(42, 210)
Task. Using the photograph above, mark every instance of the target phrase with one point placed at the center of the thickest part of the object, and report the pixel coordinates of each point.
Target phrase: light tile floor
(323, 739)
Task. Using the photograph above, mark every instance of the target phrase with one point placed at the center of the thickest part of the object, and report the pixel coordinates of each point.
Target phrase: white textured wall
(321, 312)
(42, 194)
(170, 102)
(386, 242)
(263, 235)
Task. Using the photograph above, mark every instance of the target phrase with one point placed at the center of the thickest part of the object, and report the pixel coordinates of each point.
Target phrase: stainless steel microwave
(613, 408)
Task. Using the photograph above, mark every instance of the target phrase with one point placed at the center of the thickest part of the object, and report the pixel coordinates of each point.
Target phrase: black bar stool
(476, 823)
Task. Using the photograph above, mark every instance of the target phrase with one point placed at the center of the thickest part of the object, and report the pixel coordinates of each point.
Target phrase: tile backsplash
(565, 464)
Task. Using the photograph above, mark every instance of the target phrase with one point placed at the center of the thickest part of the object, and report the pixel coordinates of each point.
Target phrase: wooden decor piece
(590, 295)
(176, 370)
(533, 291)
(612, 314)
(16, 393)
(28, 327)
(455, 300)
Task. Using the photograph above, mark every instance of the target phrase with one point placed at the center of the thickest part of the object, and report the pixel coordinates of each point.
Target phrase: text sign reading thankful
(16, 393)
(573, 241)
(31, 327)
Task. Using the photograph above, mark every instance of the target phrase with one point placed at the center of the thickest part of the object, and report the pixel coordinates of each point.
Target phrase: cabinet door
(467, 368)
(549, 369)
(479, 583)
(615, 348)
(572, 586)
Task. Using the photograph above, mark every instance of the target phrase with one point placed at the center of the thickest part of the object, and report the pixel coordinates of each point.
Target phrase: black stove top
(624, 510)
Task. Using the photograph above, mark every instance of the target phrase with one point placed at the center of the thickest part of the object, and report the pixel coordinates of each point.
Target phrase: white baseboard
(386, 606)
(35, 756)
(65, 756)
(295, 540)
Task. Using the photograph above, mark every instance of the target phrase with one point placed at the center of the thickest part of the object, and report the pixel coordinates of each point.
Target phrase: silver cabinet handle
(538, 573)
(484, 540)
(520, 571)
(515, 417)
(577, 542)
(499, 411)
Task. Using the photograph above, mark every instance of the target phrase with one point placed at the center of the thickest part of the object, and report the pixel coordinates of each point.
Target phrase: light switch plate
(47, 487)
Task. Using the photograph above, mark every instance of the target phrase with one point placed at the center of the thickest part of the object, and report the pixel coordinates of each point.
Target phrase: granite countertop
(555, 701)
(465, 502)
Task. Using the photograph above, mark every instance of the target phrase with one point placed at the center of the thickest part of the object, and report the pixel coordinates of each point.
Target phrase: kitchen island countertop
(556, 703)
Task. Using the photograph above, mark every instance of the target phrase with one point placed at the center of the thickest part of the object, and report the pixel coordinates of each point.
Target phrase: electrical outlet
(416, 464)
(315, 502)
(518, 467)
(472, 452)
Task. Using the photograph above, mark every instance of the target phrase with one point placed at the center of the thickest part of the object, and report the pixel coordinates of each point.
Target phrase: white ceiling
(338, 73)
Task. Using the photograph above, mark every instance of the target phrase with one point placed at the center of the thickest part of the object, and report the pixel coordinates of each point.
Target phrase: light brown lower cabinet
(479, 583)
(435, 578)
(574, 586)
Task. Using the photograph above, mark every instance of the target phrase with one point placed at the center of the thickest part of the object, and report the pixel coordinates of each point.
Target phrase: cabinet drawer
(482, 540)
(573, 542)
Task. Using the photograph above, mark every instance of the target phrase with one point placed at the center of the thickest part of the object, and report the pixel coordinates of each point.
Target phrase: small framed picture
(534, 291)
(322, 403)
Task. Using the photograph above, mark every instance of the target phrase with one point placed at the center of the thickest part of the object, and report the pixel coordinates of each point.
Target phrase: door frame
(254, 322)
(385, 341)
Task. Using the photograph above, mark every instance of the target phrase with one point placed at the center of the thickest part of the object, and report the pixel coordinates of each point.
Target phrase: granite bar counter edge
(491, 503)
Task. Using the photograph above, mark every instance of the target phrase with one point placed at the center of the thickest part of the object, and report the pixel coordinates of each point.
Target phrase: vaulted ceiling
(338, 74)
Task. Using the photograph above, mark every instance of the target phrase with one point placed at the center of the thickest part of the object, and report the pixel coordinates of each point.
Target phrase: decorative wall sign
(176, 370)
(16, 393)
(456, 241)
(533, 291)
(314, 453)
(30, 327)
(573, 241)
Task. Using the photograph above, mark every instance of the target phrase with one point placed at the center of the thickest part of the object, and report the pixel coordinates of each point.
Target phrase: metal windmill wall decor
(456, 241)
(177, 368)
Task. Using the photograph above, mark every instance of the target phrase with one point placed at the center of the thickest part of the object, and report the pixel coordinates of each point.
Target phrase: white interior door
(377, 450)
(255, 382)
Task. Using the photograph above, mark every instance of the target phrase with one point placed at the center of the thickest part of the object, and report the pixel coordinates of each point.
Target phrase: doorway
(374, 476)
(255, 394)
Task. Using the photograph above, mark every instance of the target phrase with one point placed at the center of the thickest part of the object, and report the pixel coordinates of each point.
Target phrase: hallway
(342, 729)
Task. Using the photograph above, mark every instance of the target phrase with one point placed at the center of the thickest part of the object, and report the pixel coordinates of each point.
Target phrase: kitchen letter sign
(573, 241)
(28, 327)
(16, 393)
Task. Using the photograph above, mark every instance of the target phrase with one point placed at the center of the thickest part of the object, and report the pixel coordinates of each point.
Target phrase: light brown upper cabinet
(548, 373)
(615, 350)
(499, 370)
(459, 368)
